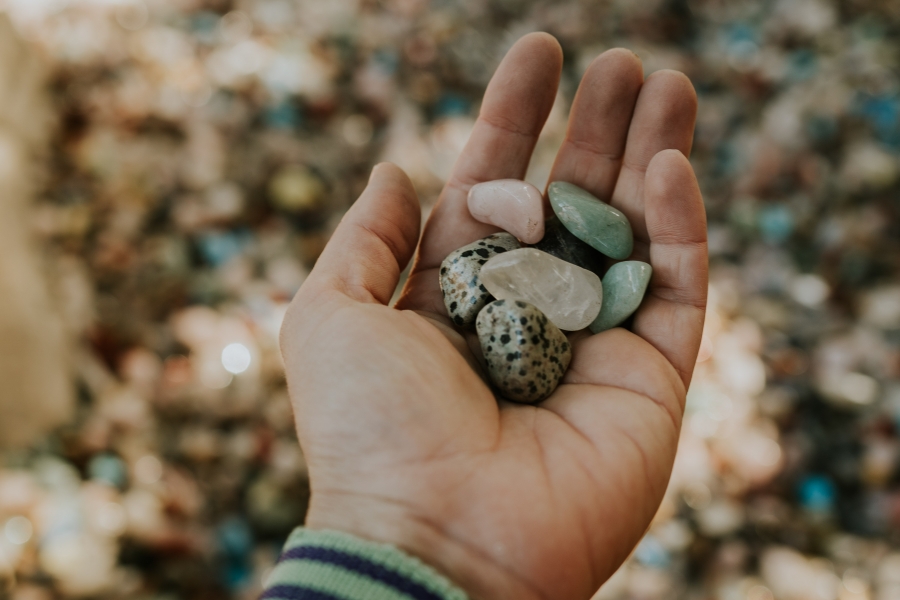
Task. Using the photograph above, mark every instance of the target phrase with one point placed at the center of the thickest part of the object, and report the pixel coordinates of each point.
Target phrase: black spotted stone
(524, 367)
(464, 296)
(559, 242)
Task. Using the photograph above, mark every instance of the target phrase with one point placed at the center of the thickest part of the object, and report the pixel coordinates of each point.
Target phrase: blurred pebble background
(186, 160)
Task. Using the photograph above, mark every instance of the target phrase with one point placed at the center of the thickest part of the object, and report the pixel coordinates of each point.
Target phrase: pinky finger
(672, 314)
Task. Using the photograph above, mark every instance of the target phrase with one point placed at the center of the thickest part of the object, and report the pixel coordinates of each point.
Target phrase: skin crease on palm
(405, 442)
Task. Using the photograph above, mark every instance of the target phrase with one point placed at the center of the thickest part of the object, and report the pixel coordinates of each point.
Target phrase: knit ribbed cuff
(330, 565)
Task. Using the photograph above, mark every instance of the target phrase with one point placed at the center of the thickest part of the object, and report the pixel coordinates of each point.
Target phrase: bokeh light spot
(18, 530)
(236, 358)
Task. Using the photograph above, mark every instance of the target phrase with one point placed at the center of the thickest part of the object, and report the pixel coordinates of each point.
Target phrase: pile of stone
(206, 149)
(523, 288)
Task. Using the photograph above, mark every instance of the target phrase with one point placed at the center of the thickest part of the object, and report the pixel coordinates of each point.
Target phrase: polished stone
(569, 295)
(525, 354)
(624, 286)
(559, 242)
(512, 205)
(464, 295)
(591, 220)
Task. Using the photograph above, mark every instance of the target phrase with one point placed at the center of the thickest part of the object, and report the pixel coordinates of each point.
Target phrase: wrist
(468, 568)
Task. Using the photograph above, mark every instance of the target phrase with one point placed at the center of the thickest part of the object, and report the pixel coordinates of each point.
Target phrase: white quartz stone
(570, 296)
(512, 205)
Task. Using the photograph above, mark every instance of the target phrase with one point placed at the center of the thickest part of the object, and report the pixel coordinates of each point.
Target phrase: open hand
(405, 442)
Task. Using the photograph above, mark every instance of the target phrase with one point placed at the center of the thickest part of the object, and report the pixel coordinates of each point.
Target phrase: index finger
(516, 105)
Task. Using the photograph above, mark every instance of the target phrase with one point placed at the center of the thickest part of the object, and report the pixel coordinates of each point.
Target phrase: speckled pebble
(464, 295)
(526, 354)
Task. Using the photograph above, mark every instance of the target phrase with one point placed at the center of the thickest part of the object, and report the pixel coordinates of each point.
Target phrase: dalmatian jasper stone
(526, 354)
(464, 295)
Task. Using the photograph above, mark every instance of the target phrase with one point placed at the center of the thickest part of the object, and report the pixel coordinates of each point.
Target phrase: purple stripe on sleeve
(363, 567)
(295, 592)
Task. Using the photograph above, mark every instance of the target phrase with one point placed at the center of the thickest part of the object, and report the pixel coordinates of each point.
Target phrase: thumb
(374, 241)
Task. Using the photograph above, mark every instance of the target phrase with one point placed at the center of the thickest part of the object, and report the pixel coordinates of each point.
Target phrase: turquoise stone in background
(592, 220)
(624, 286)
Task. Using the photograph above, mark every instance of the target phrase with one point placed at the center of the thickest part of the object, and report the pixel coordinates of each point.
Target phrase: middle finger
(591, 155)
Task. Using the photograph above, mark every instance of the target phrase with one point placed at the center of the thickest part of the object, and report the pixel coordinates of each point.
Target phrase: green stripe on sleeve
(333, 580)
(350, 568)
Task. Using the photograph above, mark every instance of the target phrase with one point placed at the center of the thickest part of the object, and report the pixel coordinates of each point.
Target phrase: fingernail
(375, 170)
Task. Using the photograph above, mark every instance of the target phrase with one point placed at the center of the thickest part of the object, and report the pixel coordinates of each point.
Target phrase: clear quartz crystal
(570, 296)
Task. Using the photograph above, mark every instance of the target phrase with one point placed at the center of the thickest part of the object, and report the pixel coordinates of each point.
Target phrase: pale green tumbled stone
(591, 220)
(624, 286)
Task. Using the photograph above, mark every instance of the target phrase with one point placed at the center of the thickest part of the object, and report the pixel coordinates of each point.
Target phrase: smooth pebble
(464, 295)
(570, 296)
(526, 355)
(624, 286)
(591, 220)
(513, 205)
(559, 242)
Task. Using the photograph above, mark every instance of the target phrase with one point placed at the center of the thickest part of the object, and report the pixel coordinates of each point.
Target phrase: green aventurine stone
(591, 220)
(624, 286)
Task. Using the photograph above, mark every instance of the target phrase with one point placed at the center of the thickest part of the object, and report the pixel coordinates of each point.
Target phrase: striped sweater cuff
(330, 565)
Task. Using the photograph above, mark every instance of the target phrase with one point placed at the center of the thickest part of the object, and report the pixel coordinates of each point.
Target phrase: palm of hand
(406, 443)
